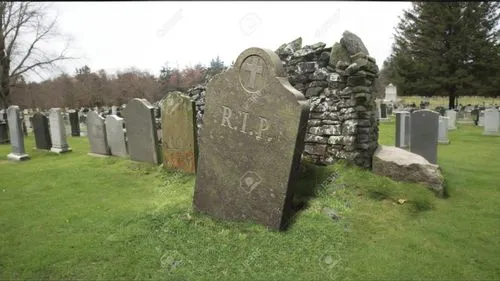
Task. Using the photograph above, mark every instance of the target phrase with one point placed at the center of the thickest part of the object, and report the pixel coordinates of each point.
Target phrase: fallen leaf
(402, 201)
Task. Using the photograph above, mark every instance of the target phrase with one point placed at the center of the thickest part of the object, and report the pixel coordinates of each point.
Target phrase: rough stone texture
(401, 165)
(115, 135)
(141, 131)
(424, 134)
(16, 134)
(96, 133)
(178, 123)
(57, 132)
(41, 131)
(251, 142)
(341, 94)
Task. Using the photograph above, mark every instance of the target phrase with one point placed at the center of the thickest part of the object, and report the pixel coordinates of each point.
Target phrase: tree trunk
(452, 97)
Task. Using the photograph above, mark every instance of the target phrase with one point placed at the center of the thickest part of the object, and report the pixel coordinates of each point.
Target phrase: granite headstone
(115, 135)
(58, 131)
(424, 134)
(41, 131)
(96, 133)
(16, 134)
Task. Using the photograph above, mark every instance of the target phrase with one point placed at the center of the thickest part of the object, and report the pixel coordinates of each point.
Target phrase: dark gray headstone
(41, 131)
(74, 123)
(251, 142)
(16, 134)
(96, 132)
(424, 134)
(383, 110)
(141, 131)
(4, 132)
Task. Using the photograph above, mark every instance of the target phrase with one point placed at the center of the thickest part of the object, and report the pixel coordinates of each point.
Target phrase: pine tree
(447, 48)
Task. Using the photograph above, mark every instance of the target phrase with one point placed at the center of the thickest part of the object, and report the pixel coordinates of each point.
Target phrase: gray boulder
(353, 43)
(401, 165)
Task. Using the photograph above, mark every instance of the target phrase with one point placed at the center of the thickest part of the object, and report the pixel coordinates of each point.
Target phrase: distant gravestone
(74, 123)
(41, 131)
(16, 134)
(178, 123)
(424, 134)
(4, 131)
(141, 131)
(58, 132)
(391, 93)
(402, 129)
(251, 142)
(443, 130)
(96, 133)
(115, 135)
(491, 121)
(114, 110)
(452, 122)
(480, 121)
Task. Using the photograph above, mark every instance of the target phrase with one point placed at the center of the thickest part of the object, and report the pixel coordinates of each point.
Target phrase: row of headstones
(49, 133)
(136, 134)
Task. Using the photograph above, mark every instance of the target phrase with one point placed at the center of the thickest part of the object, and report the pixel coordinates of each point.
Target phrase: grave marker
(115, 135)
(96, 133)
(424, 134)
(41, 131)
(16, 134)
(58, 132)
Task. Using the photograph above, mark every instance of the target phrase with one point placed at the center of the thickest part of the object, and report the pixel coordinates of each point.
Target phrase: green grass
(74, 216)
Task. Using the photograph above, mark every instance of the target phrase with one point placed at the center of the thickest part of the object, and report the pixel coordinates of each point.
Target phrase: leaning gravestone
(251, 142)
(141, 131)
(41, 131)
(424, 134)
(443, 130)
(74, 122)
(16, 134)
(491, 121)
(178, 123)
(402, 129)
(115, 135)
(58, 132)
(96, 132)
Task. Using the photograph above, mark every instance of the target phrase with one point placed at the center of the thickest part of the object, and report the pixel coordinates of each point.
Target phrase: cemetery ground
(73, 216)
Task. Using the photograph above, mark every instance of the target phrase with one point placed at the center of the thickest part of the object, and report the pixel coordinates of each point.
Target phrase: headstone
(178, 123)
(57, 131)
(141, 131)
(491, 121)
(391, 93)
(74, 123)
(96, 132)
(115, 135)
(452, 115)
(114, 110)
(480, 122)
(42, 132)
(424, 134)
(443, 130)
(16, 134)
(251, 142)
(402, 129)
(4, 132)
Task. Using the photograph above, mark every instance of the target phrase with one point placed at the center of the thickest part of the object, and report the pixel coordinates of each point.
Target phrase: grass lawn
(74, 216)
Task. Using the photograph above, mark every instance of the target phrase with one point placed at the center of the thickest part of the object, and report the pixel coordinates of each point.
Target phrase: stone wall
(339, 81)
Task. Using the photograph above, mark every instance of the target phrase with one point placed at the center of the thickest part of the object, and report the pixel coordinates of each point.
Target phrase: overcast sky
(118, 35)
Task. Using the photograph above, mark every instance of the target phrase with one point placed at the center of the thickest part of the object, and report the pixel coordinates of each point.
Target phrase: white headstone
(491, 122)
(443, 130)
(452, 122)
(480, 122)
(57, 131)
(16, 134)
(391, 93)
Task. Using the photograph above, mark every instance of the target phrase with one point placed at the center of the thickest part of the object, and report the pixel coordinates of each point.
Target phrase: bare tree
(25, 32)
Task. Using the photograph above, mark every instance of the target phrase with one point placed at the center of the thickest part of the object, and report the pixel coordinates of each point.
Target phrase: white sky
(118, 35)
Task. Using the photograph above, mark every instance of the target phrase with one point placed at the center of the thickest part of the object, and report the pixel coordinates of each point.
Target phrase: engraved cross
(254, 69)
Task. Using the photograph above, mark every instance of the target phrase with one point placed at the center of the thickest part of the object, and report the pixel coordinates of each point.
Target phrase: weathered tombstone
(178, 123)
(251, 142)
(382, 111)
(424, 134)
(4, 132)
(41, 131)
(491, 121)
(443, 130)
(114, 110)
(115, 135)
(74, 123)
(57, 132)
(141, 131)
(452, 122)
(16, 134)
(96, 132)
(402, 129)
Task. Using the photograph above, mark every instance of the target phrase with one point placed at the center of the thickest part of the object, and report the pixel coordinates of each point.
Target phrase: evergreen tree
(447, 48)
